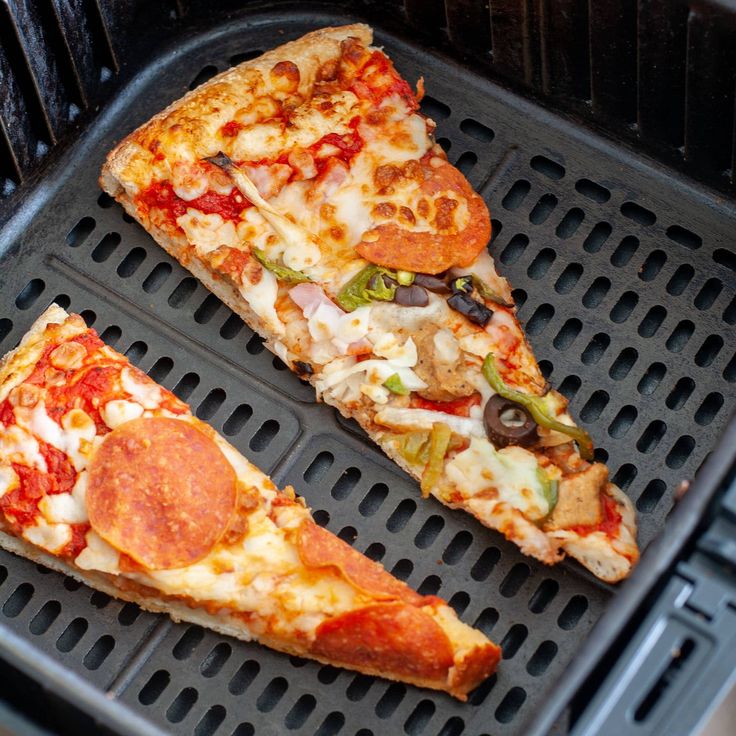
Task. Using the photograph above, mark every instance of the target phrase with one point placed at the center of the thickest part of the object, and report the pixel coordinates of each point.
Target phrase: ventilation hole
(106, 247)
(591, 190)
(623, 308)
(390, 700)
(729, 313)
(402, 569)
(204, 75)
(243, 678)
(466, 162)
(454, 727)
(596, 292)
(540, 319)
(597, 237)
(5, 326)
(541, 263)
(161, 368)
(652, 321)
(348, 534)
(181, 705)
(729, 372)
(239, 59)
(680, 393)
(331, 725)
(271, 696)
(18, 600)
(543, 595)
(680, 452)
(131, 263)
(513, 250)
(638, 214)
(572, 612)
(546, 368)
(479, 695)
(680, 336)
(684, 237)
(278, 364)
(345, 483)
(622, 422)
(401, 515)
(429, 532)
(244, 729)
(321, 517)
(647, 502)
(373, 500)
(513, 640)
(595, 349)
(652, 265)
(30, 293)
(237, 420)
(99, 652)
(99, 599)
(625, 475)
(318, 467)
(87, 315)
(255, 345)
(80, 232)
(568, 278)
(71, 584)
(210, 404)
(359, 687)
(210, 721)
(136, 352)
(549, 168)
(625, 251)
(459, 602)
(542, 658)
(485, 564)
(515, 578)
(707, 411)
(375, 551)
(430, 585)
(594, 406)
(152, 690)
(708, 350)
(475, 129)
(41, 622)
(207, 309)
(128, 614)
(111, 335)
(4, 573)
(231, 327)
(188, 642)
(262, 438)
(519, 297)
(435, 109)
(680, 279)
(570, 386)
(567, 334)
(300, 711)
(420, 717)
(62, 300)
(516, 195)
(182, 293)
(510, 705)
(216, 659)
(457, 548)
(328, 674)
(708, 294)
(186, 385)
(570, 223)
(156, 279)
(543, 209)
(72, 634)
(621, 367)
(496, 227)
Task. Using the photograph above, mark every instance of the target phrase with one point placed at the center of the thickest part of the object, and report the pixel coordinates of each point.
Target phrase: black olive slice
(302, 368)
(432, 283)
(411, 296)
(509, 423)
(473, 310)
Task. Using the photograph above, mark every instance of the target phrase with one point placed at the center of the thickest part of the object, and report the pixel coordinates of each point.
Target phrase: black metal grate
(626, 282)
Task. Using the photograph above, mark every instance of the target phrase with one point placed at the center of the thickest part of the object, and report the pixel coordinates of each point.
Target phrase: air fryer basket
(624, 276)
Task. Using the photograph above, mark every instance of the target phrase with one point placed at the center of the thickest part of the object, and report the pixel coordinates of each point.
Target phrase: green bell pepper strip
(536, 408)
(279, 271)
(439, 441)
(357, 293)
(414, 447)
(549, 489)
(394, 384)
(488, 293)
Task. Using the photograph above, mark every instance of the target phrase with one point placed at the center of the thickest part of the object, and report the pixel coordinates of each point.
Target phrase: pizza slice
(107, 477)
(305, 189)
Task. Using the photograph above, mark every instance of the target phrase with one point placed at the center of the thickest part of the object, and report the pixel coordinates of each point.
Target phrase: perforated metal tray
(625, 279)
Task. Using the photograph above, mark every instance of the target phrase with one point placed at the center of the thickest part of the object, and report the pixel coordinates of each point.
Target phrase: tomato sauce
(458, 407)
(78, 541)
(610, 523)
(231, 129)
(7, 417)
(378, 79)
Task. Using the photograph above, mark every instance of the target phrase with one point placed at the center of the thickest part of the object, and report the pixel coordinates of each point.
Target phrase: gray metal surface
(626, 280)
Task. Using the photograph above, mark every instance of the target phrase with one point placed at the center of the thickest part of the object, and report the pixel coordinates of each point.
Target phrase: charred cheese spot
(285, 76)
(407, 216)
(444, 213)
(385, 210)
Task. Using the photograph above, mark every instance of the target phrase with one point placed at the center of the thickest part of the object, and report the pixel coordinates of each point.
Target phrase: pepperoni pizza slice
(306, 190)
(107, 477)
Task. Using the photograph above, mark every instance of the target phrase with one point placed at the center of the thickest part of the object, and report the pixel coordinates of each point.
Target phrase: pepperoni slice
(160, 491)
(319, 548)
(391, 246)
(390, 638)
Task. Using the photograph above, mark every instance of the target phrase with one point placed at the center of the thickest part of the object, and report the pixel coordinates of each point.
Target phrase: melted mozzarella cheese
(62, 507)
(147, 394)
(19, 446)
(98, 555)
(425, 419)
(8, 480)
(512, 472)
(51, 537)
(207, 232)
(118, 411)
(261, 298)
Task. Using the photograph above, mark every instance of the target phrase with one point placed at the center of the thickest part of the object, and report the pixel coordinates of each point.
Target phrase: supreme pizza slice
(107, 477)
(305, 189)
